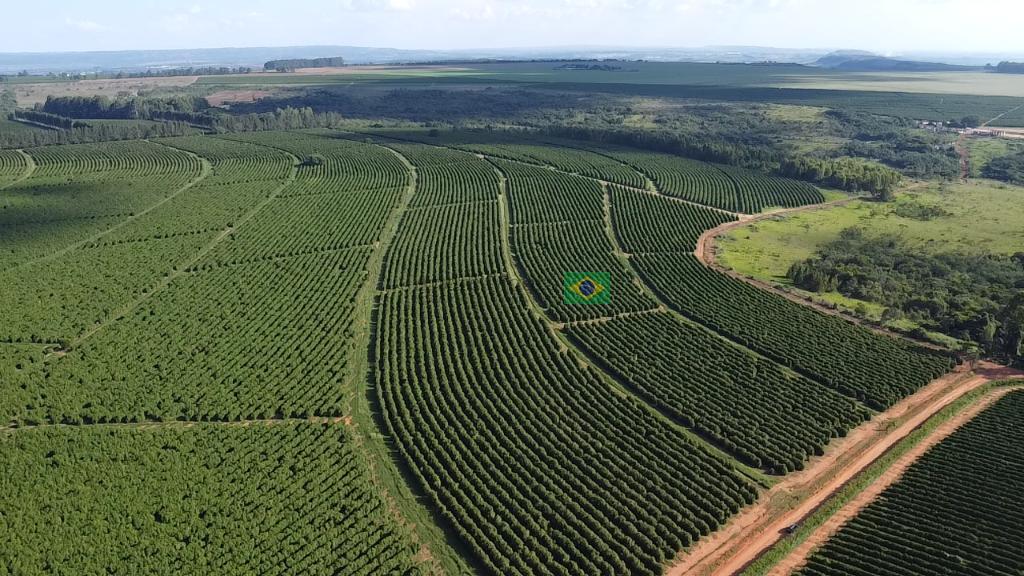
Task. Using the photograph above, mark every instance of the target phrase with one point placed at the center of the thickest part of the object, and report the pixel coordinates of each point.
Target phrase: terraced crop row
(236, 162)
(284, 499)
(545, 252)
(262, 328)
(750, 406)
(569, 160)
(12, 166)
(471, 180)
(958, 510)
(725, 187)
(57, 299)
(98, 161)
(534, 462)
(875, 369)
(650, 223)
(445, 242)
(240, 177)
(538, 195)
(348, 165)
(88, 182)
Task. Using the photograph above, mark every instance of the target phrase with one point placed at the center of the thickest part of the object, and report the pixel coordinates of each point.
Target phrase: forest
(978, 298)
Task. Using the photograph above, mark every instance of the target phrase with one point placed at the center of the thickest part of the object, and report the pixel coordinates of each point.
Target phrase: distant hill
(1010, 68)
(860, 61)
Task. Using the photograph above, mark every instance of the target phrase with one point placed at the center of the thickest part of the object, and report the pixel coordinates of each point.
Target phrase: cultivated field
(956, 511)
(358, 343)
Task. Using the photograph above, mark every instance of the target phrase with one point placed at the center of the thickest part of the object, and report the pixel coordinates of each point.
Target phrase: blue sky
(881, 25)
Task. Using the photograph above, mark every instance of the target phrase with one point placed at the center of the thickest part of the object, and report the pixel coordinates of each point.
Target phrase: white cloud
(85, 25)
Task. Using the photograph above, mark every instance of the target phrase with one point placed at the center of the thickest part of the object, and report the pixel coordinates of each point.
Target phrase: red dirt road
(760, 526)
(798, 556)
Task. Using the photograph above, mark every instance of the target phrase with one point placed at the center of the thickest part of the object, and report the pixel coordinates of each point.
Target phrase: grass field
(984, 217)
(984, 149)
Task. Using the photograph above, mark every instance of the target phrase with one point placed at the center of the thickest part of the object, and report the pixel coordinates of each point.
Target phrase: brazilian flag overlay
(586, 288)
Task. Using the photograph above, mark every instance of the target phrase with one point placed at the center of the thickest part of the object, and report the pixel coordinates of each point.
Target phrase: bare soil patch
(31, 94)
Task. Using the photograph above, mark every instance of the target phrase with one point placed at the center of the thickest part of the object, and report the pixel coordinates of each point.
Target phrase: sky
(884, 26)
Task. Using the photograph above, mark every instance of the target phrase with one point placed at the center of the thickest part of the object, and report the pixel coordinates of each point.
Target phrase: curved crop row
(345, 165)
(12, 166)
(445, 243)
(748, 405)
(958, 510)
(539, 195)
(537, 466)
(96, 181)
(255, 341)
(470, 180)
(875, 369)
(292, 225)
(726, 187)
(756, 191)
(546, 252)
(650, 223)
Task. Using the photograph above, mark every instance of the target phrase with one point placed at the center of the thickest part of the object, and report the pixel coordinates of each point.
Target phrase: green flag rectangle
(586, 288)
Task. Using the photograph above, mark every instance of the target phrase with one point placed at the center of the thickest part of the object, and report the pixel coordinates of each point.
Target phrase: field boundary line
(423, 527)
(799, 555)
(205, 170)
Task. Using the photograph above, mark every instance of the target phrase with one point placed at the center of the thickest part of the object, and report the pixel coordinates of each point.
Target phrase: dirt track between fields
(754, 530)
(706, 252)
(799, 555)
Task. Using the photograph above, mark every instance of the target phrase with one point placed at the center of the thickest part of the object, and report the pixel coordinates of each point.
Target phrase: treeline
(970, 297)
(1010, 67)
(203, 71)
(8, 102)
(282, 119)
(291, 65)
(1006, 168)
(95, 133)
(130, 108)
(852, 175)
(697, 148)
(175, 124)
(47, 119)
